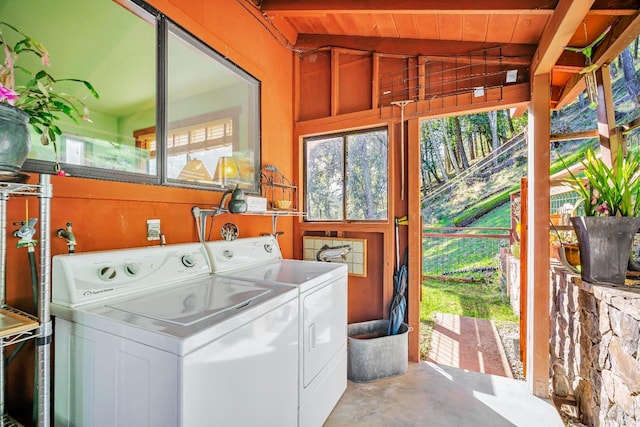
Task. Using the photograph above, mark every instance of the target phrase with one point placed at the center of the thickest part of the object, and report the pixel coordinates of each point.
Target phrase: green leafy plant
(39, 97)
(608, 191)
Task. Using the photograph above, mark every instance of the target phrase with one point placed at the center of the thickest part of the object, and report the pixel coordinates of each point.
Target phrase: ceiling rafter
(568, 16)
(511, 53)
(314, 7)
(622, 33)
(458, 7)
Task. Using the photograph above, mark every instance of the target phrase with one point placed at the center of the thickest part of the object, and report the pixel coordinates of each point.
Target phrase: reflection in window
(134, 56)
(117, 55)
(209, 114)
(346, 176)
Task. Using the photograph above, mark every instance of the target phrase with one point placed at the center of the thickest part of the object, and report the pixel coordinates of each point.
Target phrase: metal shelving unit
(201, 214)
(16, 326)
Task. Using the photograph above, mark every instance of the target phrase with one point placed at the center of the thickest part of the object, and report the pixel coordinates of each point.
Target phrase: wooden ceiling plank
(385, 25)
(427, 26)
(566, 19)
(450, 27)
(528, 28)
(474, 27)
(406, 26)
(501, 28)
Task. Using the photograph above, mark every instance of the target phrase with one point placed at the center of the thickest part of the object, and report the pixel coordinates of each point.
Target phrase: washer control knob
(132, 269)
(227, 253)
(268, 247)
(107, 273)
(188, 261)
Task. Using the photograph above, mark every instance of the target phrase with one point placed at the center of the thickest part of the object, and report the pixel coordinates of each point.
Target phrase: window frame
(343, 135)
(165, 28)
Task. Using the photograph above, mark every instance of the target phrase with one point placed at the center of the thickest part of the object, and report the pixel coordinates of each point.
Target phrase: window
(171, 109)
(346, 176)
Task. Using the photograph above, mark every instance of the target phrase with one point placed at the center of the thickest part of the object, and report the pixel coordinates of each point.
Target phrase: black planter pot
(605, 246)
(14, 143)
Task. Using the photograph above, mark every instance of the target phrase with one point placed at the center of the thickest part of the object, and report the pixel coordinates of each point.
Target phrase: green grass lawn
(479, 300)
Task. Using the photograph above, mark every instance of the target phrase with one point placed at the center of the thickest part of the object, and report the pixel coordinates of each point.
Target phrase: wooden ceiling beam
(516, 53)
(566, 19)
(459, 7)
(623, 32)
(518, 110)
(317, 7)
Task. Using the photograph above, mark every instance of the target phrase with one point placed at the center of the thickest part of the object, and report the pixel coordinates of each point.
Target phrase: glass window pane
(212, 117)
(116, 54)
(366, 185)
(324, 178)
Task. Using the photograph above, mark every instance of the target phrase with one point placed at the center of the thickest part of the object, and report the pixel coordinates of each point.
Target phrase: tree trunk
(630, 78)
(369, 206)
(510, 122)
(424, 167)
(614, 68)
(493, 123)
(460, 144)
(472, 148)
(436, 155)
(452, 156)
(481, 143)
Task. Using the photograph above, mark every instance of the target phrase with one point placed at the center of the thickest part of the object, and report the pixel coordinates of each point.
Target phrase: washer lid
(189, 304)
(303, 274)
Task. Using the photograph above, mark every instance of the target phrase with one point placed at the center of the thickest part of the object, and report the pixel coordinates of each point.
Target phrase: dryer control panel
(94, 276)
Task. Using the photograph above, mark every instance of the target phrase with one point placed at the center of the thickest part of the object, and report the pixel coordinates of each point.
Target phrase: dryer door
(324, 312)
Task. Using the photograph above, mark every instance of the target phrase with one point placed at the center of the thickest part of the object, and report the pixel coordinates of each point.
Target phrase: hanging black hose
(25, 233)
(34, 277)
(34, 288)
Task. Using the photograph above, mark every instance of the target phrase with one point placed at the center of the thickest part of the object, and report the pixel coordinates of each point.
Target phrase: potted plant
(611, 200)
(37, 102)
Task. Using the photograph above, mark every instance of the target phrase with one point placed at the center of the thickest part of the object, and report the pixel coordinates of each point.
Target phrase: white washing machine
(147, 337)
(323, 315)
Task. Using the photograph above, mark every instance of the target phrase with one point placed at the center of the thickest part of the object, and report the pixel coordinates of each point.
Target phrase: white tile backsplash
(356, 260)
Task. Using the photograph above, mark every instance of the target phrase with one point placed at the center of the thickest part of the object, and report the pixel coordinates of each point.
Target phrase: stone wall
(595, 331)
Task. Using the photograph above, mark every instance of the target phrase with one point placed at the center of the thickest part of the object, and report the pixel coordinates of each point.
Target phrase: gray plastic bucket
(372, 354)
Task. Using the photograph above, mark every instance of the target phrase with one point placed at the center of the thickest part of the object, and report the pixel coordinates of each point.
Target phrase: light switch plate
(153, 229)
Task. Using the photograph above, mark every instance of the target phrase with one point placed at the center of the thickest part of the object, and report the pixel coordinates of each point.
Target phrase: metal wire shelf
(16, 326)
(7, 421)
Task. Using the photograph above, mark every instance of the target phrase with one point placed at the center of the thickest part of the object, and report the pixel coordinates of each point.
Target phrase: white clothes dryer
(323, 315)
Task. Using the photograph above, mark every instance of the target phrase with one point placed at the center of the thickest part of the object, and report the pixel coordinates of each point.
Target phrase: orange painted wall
(108, 215)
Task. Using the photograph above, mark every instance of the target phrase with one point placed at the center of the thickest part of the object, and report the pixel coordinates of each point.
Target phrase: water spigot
(26, 232)
(67, 233)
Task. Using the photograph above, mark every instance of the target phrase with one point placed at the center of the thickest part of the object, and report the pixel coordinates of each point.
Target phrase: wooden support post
(610, 139)
(538, 277)
(414, 237)
(524, 241)
(335, 81)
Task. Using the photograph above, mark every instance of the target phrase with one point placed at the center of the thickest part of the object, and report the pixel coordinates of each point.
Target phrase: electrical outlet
(153, 229)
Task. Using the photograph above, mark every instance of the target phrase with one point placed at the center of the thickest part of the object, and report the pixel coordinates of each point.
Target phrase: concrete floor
(435, 395)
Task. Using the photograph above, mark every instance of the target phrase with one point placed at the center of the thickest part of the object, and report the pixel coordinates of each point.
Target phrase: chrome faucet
(67, 233)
